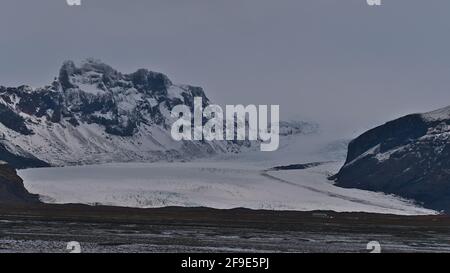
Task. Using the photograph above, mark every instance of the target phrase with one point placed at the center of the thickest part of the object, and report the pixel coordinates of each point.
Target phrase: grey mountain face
(409, 157)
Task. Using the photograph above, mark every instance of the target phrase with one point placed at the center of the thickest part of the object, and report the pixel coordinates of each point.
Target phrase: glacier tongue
(216, 184)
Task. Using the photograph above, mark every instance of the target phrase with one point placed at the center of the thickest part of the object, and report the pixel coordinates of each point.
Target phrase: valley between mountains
(102, 137)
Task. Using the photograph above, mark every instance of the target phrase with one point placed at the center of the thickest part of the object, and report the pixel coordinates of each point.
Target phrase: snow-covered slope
(294, 149)
(225, 184)
(438, 115)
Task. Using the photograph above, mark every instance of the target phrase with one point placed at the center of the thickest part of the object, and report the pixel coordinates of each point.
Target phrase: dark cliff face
(409, 157)
(12, 190)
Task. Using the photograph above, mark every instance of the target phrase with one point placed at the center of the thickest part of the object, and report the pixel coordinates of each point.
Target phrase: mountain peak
(145, 79)
(88, 64)
(68, 66)
(96, 65)
(94, 71)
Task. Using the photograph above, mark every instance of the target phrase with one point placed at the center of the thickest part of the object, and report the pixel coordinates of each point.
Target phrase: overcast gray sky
(341, 63)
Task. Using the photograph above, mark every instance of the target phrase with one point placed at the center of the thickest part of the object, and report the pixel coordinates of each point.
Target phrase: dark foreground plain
(48, 228)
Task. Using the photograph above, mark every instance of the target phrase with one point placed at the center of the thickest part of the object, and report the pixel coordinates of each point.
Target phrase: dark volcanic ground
(48, 228)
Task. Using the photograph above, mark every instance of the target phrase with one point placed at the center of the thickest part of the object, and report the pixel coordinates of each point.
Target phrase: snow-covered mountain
(409, 157)
(92, 113)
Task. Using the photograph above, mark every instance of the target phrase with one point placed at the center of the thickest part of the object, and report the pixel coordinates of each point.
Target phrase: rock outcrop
(409, 157)
(12, 190)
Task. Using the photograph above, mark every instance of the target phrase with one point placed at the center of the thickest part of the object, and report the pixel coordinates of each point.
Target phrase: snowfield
(217, 184)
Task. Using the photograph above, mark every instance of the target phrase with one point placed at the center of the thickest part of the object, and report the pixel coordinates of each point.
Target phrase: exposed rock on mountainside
(12, 189)
(409, 157)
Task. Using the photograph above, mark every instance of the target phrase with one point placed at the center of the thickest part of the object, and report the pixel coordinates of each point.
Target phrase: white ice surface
(226, 181)
(216, 184)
